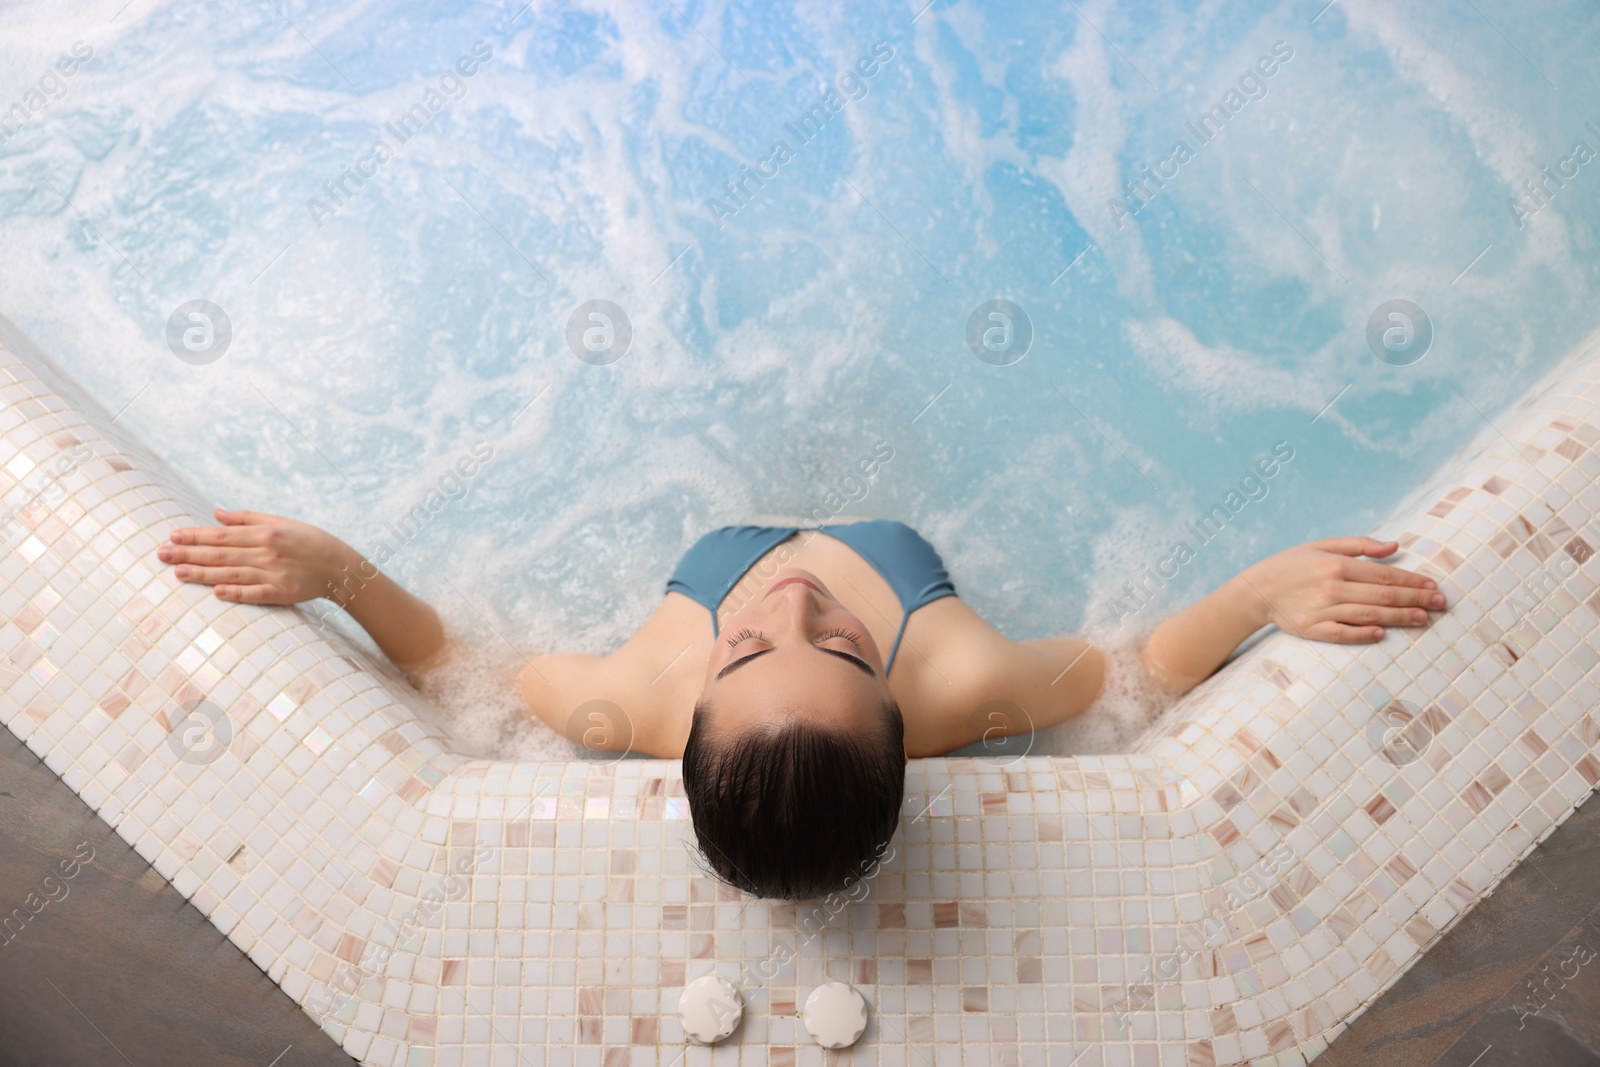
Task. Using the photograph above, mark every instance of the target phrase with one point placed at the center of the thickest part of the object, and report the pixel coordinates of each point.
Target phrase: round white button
(835, 1014)
(710, 1008)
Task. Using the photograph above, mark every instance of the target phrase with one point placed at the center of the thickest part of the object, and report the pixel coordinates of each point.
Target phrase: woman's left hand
(1324, 590)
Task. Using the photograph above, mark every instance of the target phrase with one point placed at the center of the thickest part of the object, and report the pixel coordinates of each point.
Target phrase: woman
(763, 669)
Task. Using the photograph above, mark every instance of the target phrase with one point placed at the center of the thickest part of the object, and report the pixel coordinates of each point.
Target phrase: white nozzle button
(835, 1014)
(710, 1008)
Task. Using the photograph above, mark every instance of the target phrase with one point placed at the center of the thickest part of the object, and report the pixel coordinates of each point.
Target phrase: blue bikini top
(719, 561)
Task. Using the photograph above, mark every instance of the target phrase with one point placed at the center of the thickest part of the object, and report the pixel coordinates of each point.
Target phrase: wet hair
(796, 811)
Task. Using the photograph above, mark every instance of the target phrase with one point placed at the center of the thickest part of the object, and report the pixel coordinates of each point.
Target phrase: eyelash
(746, 635)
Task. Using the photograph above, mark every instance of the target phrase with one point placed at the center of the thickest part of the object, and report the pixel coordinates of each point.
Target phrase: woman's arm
(1322, 591)
(255, 558)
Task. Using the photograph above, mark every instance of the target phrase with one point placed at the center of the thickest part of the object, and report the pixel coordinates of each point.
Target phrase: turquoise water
(783, 331)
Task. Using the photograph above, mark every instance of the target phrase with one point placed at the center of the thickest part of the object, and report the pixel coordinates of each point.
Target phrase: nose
(794, 607)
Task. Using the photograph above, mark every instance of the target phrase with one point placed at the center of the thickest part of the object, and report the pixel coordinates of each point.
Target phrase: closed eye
(848, 658)
(856, 661)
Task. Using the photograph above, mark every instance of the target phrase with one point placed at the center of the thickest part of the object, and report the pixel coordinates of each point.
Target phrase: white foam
(1090, 174)
(1128, 703)
(473, 697)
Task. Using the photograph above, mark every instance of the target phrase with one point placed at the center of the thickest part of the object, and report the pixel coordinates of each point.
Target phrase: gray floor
(116, 968)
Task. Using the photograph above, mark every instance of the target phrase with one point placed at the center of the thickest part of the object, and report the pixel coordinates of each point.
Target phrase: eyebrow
(860, 664)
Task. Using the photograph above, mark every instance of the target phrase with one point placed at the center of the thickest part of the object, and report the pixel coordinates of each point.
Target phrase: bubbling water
(1129, 702)
(473, 698)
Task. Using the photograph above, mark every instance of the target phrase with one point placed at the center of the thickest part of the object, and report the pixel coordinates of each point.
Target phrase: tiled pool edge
(1023, 901)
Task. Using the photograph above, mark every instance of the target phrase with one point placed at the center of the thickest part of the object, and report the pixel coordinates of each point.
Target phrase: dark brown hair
(796, 811)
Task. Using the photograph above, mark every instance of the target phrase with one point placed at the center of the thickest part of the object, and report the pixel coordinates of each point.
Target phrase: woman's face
(795, 651)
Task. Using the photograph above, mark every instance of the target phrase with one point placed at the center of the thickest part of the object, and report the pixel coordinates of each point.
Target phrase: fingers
(248, 518)
(1354, 599)
(242, 585)
(238, 528)
(218, 535)
(221, 556)
(1383, 574)
(1391, 596)
(1357, 546)
(252, 594)
(221, 575)
(207, 556)
(1359, 614)
(1341, 634)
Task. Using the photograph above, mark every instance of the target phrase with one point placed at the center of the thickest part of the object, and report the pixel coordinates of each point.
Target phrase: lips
(791, 581)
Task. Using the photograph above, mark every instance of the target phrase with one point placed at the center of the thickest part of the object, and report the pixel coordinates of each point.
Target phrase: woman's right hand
(255, 558)
(1325, 591)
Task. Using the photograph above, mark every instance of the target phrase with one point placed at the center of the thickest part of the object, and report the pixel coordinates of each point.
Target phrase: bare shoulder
(626, 699)
(959, 669)
(555, 686)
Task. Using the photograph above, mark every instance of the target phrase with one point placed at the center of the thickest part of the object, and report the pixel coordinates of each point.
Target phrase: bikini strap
(899, 635)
